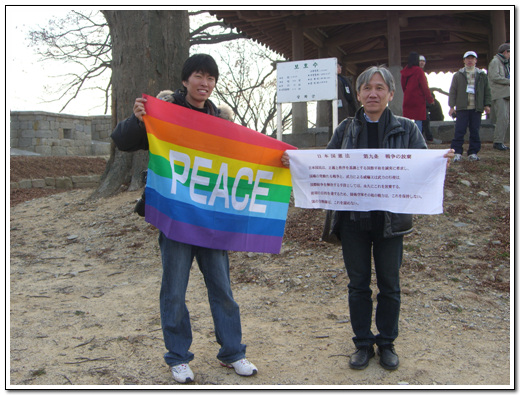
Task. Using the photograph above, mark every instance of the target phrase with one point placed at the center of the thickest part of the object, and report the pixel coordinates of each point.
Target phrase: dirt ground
(85, 277)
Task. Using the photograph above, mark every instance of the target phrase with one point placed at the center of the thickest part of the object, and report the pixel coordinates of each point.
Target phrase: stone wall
(90, 181)
(101, 128)
(317, 137)
(442, 131)
(50, 134)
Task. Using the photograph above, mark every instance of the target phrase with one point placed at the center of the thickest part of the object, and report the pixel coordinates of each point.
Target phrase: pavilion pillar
(498, 37)
(299, 110)
(394, 60)
(498, 31)
(323, 107)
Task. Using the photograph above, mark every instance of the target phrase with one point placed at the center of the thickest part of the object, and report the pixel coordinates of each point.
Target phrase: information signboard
(307, 80)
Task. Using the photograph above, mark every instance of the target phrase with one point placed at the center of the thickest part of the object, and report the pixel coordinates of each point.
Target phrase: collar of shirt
(369, 120)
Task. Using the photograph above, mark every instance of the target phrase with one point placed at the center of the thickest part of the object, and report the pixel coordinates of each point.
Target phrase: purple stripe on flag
(210, 238)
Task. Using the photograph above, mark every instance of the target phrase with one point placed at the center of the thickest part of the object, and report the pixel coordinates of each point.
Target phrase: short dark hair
(413, 59)
(199, 62)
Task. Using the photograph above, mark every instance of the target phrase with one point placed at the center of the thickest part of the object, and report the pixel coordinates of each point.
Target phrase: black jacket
(394, 132)
(130, 134)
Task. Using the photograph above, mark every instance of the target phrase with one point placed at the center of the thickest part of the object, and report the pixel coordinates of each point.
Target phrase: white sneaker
(457, 158)
(182, 373)
(242, 367)
(473, 157)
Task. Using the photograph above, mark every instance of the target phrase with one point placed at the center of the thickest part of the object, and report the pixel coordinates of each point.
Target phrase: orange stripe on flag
(213, 144)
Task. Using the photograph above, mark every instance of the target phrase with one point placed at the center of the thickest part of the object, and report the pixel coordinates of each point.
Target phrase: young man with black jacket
(199, 77)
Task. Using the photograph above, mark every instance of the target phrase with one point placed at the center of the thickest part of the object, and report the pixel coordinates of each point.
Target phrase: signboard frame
(304, 81)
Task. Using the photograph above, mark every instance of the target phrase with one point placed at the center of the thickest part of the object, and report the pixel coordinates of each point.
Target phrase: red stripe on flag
(205, 123)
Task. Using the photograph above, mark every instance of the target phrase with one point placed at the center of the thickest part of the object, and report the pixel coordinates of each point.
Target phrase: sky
(29, 81)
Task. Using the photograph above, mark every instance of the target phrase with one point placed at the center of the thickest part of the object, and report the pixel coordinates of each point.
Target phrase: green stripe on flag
(277, 193)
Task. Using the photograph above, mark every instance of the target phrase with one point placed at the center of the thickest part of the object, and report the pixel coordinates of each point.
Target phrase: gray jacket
(498, 83)
(395, 132)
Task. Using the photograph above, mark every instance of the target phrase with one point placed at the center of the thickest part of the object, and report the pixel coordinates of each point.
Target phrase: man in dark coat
(199, 77)
(377, 233)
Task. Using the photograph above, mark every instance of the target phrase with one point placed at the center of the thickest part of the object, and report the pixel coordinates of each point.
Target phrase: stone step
(90, 181)
(442, 132)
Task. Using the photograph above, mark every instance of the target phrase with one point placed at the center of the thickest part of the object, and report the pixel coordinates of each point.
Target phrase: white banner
(408, 181)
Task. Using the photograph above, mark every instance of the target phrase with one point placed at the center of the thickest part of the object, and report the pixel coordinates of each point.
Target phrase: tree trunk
(149, 48)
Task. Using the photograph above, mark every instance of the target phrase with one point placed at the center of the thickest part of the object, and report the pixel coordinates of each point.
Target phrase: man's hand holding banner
(216, 184)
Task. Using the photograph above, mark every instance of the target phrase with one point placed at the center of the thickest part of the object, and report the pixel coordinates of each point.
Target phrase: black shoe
(359, 360)
(500, 147)
(387, 357)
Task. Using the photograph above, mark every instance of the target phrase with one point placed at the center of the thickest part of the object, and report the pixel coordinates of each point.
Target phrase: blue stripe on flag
(162, 185)
(184, 212)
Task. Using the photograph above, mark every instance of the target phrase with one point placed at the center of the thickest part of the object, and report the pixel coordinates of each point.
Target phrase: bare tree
(82, 39)
(247, 84)
(210, 31)
(148, 50)
(143, 51)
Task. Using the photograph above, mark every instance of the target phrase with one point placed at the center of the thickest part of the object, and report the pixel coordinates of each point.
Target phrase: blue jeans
(419, 124)
(465, 119)
(177, 259)
(358, 247)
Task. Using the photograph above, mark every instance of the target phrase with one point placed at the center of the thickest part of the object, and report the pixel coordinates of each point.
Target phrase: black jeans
(426, 131)
(358, 247)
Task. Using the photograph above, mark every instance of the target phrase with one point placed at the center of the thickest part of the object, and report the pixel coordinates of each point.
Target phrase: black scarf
(365, 218)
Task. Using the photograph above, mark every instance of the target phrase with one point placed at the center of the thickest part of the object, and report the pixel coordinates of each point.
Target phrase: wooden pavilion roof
(360, 38)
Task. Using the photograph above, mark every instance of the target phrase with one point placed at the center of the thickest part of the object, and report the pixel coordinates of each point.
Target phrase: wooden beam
(338, 18)
(447, 23)
(262, 16)
(341, 17)
(352, 34)
(433, 49)
(314, 36)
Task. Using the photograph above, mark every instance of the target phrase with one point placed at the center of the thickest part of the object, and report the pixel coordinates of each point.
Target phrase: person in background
(422, 61)
(435, 111)
(427, 133)
(377, 233)
(347, 103)
(416, 91)
(469, 96)
(199, 77)
(499, 84)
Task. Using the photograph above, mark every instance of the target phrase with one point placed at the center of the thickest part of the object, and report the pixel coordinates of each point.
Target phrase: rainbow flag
(213, 183)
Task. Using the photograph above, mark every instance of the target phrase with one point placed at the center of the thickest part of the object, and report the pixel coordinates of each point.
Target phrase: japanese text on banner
(407, 181)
